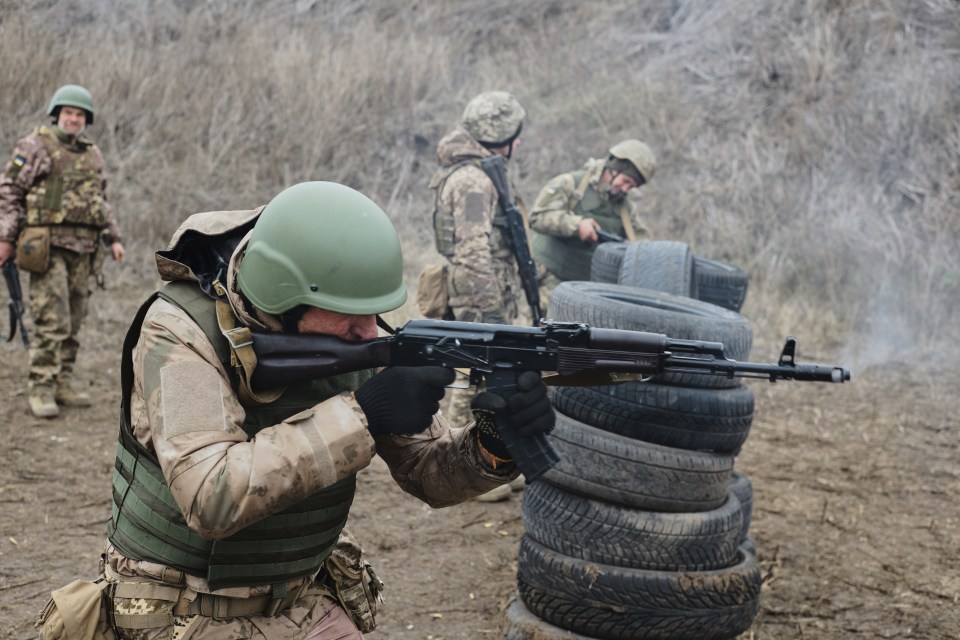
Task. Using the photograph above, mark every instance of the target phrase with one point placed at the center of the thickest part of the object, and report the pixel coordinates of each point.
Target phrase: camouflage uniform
(186, 412)
(556, 215)
(483, 282)
(57, 180)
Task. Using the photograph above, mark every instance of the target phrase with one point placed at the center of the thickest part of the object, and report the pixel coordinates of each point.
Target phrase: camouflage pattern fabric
(58, 306)
(25, 177)
(314, 615)
(185, 411)
(58, 298)
(557, 213)
(552, 213)
(548, 282)
(483, 282)
(493, 117)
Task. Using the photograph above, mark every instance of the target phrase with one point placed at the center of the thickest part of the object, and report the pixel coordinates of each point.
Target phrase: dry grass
(814, 142)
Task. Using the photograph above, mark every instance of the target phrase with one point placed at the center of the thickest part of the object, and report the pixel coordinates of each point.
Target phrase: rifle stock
(568, 354)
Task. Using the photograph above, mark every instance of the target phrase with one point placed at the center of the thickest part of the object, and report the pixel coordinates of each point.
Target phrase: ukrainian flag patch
(18, 161)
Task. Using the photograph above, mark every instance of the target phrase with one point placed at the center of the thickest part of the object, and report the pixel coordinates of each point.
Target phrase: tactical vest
(569, 258)
(147, 524)
(444, 226)
(72, 193)
(444, 235)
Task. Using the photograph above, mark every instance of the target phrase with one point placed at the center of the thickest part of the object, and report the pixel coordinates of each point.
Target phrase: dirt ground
(855, 514)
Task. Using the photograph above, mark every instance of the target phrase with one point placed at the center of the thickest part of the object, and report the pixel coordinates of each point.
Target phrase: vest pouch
(353, 582)
(433, 298)
(33, 249)
(81, 200)
(76, 612)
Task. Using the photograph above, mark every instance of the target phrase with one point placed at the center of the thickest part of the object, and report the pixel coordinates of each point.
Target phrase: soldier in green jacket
(229, 503)
(54, 213)
(572, 206)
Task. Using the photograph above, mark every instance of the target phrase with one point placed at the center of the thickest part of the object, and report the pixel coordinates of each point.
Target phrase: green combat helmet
(72, 95)
(493, 118)
(324, 245)
(638, 154)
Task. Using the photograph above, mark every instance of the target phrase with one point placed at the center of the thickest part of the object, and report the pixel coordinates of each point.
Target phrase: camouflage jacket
(27, 170)
(185, 411)
(553, 212)
(484, 269)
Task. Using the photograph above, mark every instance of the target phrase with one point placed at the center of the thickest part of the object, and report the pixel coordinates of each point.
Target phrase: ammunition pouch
(353, 582)
(77, 611)
(33, 249)
(433, 297)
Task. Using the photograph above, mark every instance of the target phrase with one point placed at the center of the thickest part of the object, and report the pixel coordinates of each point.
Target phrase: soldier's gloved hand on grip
(402, 400)
(527, 412)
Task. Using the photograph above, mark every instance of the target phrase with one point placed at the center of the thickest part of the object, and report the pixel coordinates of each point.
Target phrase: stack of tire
(641, 530)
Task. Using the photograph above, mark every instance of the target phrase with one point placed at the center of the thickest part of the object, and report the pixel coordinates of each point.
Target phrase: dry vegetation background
(814, 143)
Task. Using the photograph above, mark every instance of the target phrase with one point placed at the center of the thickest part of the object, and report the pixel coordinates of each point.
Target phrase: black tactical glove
(402, 400)
(527, 412)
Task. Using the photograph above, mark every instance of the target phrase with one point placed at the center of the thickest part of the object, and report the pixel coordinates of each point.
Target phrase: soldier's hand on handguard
(403, 400)
(527, 412)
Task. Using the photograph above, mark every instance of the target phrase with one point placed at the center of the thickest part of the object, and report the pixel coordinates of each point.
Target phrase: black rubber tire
(606, 261)
(632, 604)
(633, 473)
(741, 486)
(520, 624)
(673, 416)
(618, 306)
(605, 533)
(659, 265)
(719, 283)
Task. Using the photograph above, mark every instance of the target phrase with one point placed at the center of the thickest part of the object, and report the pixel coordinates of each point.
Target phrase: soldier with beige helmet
(55, 216)
(572, 206)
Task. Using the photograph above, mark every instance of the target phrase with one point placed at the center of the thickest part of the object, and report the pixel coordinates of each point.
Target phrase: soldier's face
(340, 325)
(507, 150)
(72, 120)
(621, 184)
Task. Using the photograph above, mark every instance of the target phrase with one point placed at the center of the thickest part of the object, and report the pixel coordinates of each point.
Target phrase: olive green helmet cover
(72, 95)
(493, 118)
(638, 154)
(324, 245)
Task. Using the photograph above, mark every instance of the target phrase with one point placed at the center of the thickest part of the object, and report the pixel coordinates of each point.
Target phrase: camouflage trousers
(58, 306)
(548, 282)
(314, 616)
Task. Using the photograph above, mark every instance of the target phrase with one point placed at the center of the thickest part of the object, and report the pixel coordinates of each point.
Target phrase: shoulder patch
(15, 166)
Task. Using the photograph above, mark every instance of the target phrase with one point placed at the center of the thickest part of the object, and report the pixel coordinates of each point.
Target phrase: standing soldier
(483, 283)
(572, 206)
(54, 211)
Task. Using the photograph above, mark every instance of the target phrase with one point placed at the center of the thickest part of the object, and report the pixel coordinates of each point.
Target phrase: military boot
(68, 397)
(42, 403)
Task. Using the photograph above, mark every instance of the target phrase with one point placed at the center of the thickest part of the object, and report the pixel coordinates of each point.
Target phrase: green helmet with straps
(638, 154)
(72, 95)
(324, 245)
(493, 118)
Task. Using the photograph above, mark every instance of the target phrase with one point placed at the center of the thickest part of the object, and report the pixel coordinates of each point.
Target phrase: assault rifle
(606, 236)
(12, 275)
(569, 354)
(495, 168)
